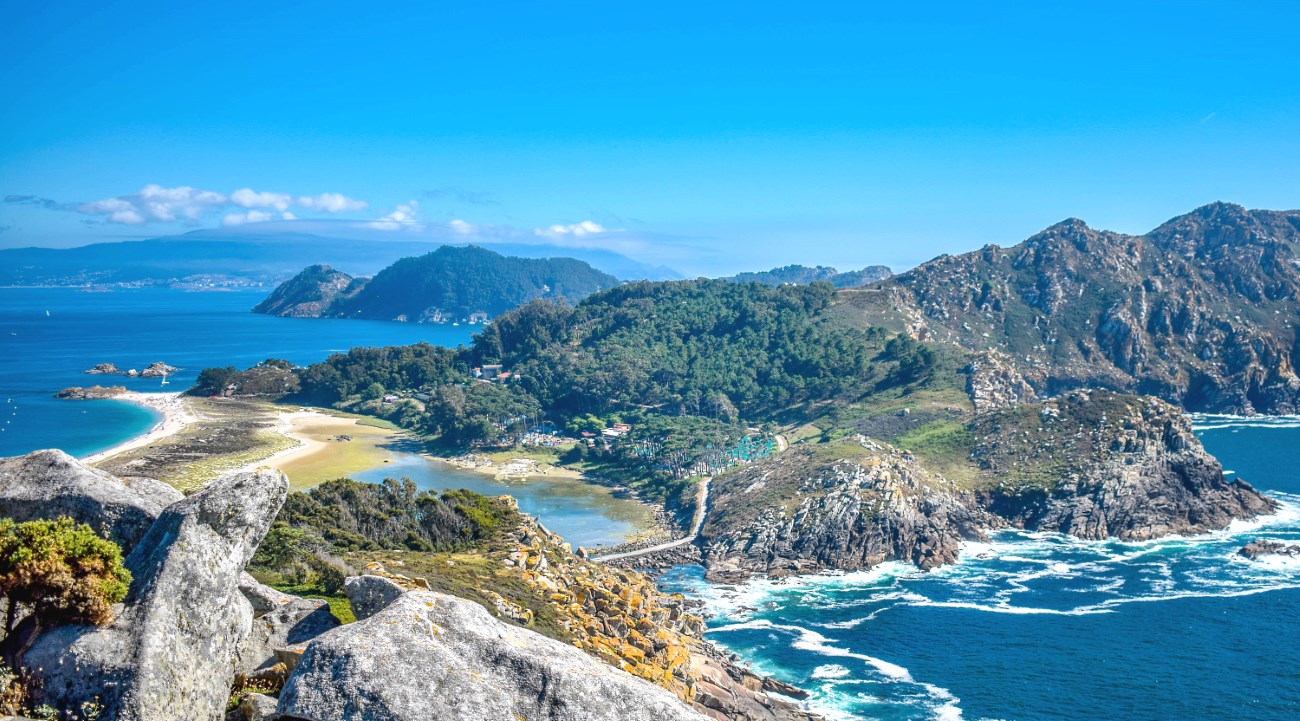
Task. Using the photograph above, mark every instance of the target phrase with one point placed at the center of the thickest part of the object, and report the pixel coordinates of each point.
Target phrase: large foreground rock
(170, 654)
(49, 484)
(280, 620)
(432, 656)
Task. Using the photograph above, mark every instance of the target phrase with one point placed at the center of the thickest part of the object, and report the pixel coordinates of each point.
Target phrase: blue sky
(712, 138)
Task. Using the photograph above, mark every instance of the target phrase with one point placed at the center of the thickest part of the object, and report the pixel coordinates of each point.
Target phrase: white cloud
(332, 203)
(573, 230)
(161, 203)
(155, 202)
(249, 198)
(125, 217)
(460, 227)
(403, 216)
(252, 216)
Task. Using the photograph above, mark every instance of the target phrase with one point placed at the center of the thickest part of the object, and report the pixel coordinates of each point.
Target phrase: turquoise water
(1042, 627)
(583, 514)
(41, 354)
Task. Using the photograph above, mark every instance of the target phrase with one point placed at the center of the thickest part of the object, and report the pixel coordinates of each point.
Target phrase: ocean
(49, 336)
(1044, 627)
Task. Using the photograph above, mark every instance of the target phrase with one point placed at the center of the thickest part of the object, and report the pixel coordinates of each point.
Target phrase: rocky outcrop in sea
(78, 393)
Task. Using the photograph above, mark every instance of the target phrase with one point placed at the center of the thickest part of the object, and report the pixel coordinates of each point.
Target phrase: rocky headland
(1095, 465)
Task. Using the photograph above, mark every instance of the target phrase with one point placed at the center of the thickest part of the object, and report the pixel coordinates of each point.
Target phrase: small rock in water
(1257, 548)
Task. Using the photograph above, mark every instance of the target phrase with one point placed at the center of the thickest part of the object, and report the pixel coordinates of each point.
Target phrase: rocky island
(92, 393)
(157, 369)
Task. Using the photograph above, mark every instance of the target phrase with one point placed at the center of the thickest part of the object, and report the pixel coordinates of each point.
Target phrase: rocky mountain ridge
(1200, 312)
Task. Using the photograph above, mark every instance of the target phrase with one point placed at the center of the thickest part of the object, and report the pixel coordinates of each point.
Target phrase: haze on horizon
(710, 139)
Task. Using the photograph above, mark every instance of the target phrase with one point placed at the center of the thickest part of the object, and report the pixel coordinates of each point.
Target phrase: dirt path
(701, 507)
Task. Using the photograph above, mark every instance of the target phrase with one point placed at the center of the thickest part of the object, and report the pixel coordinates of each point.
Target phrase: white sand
(176, 415)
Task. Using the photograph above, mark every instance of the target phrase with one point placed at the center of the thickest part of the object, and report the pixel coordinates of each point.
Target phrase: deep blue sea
(1043, 627)
(49, 336)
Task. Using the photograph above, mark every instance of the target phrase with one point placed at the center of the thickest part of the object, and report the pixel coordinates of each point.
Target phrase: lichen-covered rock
(849, 506)
(48, 484)
(432, 656)
(993, 382)
(279, 620)
(370, 594)
(1097, 464)
(170, 654)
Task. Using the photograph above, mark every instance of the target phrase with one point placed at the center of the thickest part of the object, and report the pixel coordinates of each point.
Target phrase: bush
(60, 570)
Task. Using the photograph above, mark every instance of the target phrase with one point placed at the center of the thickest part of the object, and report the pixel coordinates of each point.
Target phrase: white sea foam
(1212, 421)
(830, 670)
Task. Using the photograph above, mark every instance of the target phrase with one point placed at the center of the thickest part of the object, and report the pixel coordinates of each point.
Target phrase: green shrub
(60, 570)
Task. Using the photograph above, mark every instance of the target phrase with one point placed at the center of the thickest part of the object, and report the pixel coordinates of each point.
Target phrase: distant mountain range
(451, 284)
(803, 275)
(211, 257)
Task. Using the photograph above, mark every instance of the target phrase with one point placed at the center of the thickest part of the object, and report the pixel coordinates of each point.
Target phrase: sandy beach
(177, 414)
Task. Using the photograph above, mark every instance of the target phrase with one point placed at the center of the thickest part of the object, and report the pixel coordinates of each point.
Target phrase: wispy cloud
(249, 198)
(572, 230)
(36, 200)
(332, 203)
(402, 217)
(255, 216)
(189, 205)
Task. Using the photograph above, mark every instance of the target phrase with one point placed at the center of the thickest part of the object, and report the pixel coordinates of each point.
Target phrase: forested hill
(1201, 311)
(803, 275)
(448, 285)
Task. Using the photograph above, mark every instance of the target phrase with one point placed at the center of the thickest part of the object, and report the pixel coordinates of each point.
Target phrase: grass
(943, 446)
(339, 605)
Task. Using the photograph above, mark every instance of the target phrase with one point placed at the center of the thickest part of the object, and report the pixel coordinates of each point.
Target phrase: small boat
(47, 314)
